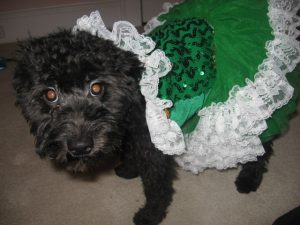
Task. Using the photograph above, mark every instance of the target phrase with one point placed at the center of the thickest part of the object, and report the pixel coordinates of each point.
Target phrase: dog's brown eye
(51, 95)
(96, 89)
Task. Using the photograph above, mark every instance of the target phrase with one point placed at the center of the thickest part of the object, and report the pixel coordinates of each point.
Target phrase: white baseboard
(17, 25)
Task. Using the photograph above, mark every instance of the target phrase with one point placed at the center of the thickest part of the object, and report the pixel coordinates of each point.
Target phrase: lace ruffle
(227, 133)
(165, 134)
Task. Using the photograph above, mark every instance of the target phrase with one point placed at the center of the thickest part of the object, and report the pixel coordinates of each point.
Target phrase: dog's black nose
(80, 147)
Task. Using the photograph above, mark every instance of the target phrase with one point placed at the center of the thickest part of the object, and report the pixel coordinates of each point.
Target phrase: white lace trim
(165, 134)
(227, 133)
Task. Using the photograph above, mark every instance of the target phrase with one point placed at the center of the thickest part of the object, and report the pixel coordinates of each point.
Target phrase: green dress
(234, 80)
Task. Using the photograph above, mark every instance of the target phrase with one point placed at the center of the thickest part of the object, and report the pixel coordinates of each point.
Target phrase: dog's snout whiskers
(80, 147)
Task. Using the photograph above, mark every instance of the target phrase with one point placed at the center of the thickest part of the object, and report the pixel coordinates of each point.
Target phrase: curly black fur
(79, 129)
(251, 175)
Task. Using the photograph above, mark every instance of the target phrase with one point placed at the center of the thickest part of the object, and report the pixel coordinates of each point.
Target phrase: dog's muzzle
(80, 147)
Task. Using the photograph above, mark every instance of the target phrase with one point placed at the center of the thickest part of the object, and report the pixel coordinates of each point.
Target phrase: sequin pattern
(189, 46)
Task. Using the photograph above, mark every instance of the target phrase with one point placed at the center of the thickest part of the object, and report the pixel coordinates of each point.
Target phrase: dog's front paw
(147, 217)
(126, 172)
(248, 180)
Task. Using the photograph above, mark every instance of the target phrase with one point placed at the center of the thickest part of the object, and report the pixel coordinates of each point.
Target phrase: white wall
(39, 17)
(153, 8)
(17, 24)
(10, 5)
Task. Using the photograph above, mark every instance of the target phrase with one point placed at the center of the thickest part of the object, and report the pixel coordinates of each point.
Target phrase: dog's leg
(157, 172)
(128, 169)
(251, 174)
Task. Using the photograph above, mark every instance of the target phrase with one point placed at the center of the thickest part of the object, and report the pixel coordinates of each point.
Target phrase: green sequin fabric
(189, 46)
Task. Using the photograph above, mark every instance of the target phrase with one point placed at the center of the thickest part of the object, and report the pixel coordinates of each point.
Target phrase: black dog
(80, 94)
(81, 97)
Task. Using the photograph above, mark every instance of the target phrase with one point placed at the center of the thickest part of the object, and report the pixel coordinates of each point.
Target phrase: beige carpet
(33, 193)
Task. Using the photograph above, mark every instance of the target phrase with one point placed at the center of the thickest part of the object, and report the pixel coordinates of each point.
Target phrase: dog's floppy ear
(26, 88)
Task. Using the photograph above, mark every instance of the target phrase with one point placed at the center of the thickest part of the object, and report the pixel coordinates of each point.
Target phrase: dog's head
(77, 93)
